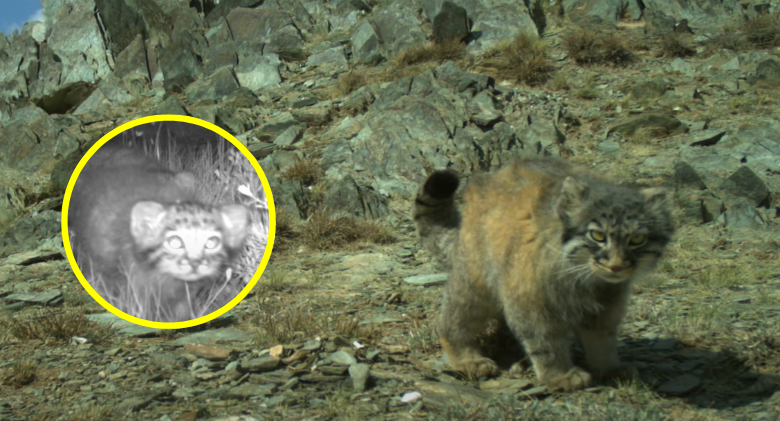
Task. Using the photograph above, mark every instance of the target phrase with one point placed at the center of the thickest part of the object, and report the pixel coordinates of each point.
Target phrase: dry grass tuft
(351, 82)
(307, 170)
(559, 82)
(81, 412)
(285, 229)
(716, 278)
(762, 30)
(322, 232)
(525, 59)
(431, 52)
(281, 323)
(587, 47)
(21, 373)
(729, 39)
(57, 325)
(648, 135)
(677, 45)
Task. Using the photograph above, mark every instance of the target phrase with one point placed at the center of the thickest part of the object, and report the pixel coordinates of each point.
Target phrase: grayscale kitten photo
(145, 239)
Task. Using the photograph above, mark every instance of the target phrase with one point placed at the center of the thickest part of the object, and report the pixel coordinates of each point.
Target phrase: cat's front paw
(478, 367)
(574, 379)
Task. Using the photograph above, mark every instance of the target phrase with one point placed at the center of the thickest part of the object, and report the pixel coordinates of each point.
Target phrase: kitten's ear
(145, 223)
(655, 197)
(572, 192)
(235, 219)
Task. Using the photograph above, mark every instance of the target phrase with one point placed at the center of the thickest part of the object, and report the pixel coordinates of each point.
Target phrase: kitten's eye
(598, 236)
(174, 242)
(212, 243)
(637, 239)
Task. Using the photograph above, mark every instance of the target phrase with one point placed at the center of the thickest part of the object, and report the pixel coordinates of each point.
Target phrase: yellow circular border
(271, 221)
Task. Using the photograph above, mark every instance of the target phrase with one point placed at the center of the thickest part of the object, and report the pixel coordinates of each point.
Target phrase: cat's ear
(573, 190)
(186, 181)
(655, 197)
(146, 223)
(235, 219)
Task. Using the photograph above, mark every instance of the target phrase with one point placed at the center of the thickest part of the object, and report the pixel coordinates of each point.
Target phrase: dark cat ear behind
(235, 219)
(654, 196)
(145, 219)
(572, 193)
(186, 181)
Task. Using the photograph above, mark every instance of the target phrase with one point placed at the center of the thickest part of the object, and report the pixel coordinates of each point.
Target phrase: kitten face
(615, 234)
(187, 241)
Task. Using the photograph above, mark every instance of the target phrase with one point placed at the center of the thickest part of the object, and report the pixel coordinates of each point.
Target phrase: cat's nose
(194, 263)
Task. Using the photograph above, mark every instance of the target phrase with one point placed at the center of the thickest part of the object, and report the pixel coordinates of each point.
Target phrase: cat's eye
(598, 236)
(637, 239)
(212, 243)
(175, 242)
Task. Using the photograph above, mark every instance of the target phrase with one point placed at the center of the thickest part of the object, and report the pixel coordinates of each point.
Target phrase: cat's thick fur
(138, 228)
(550, 249)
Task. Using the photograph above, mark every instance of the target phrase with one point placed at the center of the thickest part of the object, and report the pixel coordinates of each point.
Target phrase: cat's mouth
(190, 272)
(613, 273)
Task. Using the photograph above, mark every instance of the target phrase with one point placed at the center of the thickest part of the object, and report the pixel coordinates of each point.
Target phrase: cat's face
(187, 241)
(614, 234)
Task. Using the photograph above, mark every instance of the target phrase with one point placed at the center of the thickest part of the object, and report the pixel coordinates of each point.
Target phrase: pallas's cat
(548, 248)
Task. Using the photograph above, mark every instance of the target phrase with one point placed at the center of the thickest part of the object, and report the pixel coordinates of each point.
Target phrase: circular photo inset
(168, 221)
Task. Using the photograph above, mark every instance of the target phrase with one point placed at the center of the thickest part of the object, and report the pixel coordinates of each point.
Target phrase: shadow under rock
(701, 376)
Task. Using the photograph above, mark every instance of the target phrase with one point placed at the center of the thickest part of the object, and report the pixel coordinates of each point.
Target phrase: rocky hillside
(347, 105)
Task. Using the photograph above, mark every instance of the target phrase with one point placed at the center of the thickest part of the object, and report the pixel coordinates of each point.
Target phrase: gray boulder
(74, 35)
(343, 15)
(171, 105)
(541, 135)
(745, 183)
(11, 203)
(213, 88)
(687, 177)
(660, 123)
(399, 26)
(19, 63)
(661, 15)
(27, 233)
(500, 20)
(365, 44)
(30, 139)
(417, 124)
(768, 70)
(331, 57)
(104, 100)
(347, 198)
(131, 67)
(451, 23)
(124, 20)
(742, 215)
(180, 66)
(274, 28)
(492, 20)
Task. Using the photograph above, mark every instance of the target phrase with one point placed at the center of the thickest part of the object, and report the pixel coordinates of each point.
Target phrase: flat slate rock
(380, 319)
(216, 335)
(442, 395)
(433, 279)
(32, 257)
(42, 298)
(680, 385)
(124, 327)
